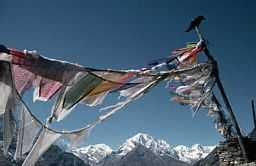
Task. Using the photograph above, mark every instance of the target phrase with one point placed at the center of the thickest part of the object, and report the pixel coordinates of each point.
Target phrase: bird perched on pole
(195, 23)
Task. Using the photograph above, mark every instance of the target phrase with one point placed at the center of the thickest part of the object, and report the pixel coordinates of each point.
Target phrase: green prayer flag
(81, 88)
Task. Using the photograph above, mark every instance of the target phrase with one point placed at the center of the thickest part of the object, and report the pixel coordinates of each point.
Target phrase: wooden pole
(223, 94)
(253, 113)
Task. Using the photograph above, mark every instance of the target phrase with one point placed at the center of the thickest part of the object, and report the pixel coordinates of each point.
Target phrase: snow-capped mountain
(159, 147)
(142, 149)
(192, 154)
(93, 154)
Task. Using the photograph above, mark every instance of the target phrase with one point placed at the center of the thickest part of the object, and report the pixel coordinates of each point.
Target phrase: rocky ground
(228, 153)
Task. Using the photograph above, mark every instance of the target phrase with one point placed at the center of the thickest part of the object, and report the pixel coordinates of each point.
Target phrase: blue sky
(128, 34)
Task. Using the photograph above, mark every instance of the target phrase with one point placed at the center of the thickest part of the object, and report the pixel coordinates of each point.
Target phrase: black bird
(195, 23)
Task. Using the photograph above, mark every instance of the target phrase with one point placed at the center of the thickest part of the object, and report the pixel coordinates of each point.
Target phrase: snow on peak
(93, 154)
(99, 147)
(193, 153)
(159, 147)
(197, 147)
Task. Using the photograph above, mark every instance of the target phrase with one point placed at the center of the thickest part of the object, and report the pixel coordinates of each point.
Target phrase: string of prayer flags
(44, 67)
(193, 92)
(86, 87)
(189, 82)
(180, 57)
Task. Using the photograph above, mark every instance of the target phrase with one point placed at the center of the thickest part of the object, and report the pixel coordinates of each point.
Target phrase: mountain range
(142, 150)
(139, 150)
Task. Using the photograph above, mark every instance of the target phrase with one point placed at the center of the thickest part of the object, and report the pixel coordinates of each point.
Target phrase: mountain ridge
(137, 144)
